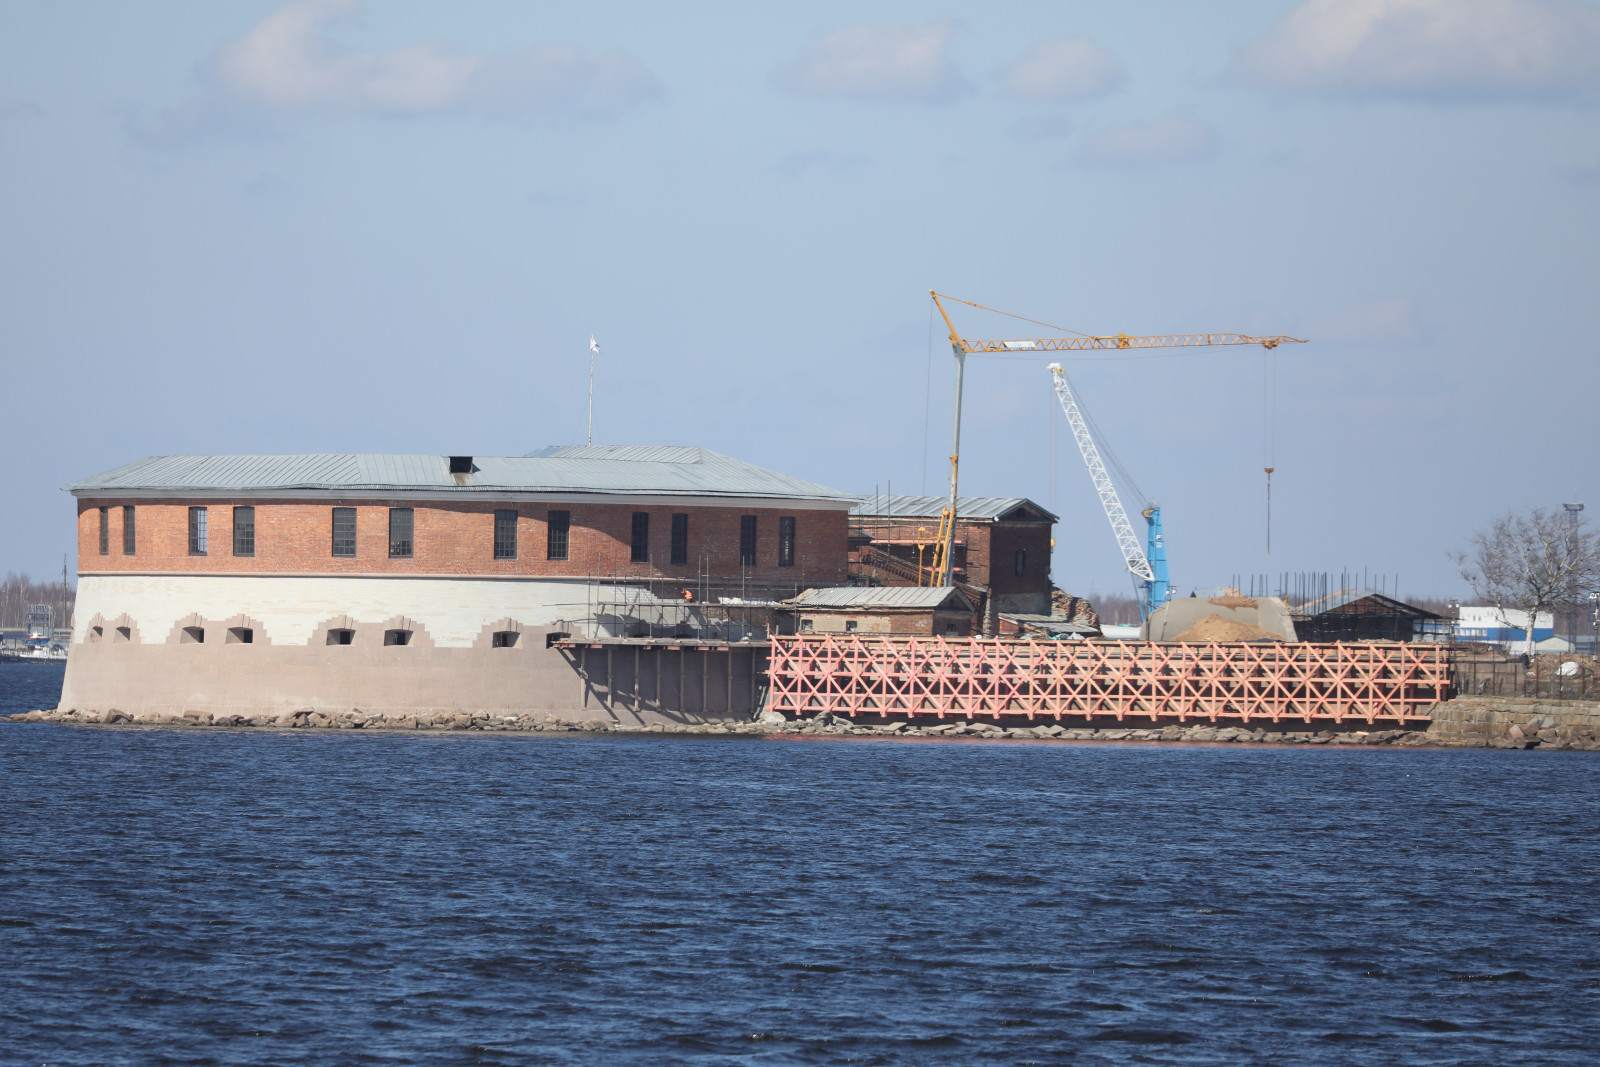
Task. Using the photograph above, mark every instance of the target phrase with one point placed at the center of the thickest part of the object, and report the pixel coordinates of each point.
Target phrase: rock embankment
(1457, 724)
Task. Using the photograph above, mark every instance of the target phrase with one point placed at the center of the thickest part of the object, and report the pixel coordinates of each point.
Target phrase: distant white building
(1508, 629)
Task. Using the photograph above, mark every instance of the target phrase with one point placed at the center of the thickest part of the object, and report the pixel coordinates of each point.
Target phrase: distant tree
(1532, 563)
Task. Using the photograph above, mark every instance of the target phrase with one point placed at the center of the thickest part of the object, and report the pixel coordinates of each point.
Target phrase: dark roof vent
(460, 464)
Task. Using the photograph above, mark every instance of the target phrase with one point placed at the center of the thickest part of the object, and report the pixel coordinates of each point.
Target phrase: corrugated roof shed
(860, 598)
(681, 471)
(986, 508)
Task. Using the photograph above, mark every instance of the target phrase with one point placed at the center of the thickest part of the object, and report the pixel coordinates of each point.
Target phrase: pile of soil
(1234, 601)
(1217, 628)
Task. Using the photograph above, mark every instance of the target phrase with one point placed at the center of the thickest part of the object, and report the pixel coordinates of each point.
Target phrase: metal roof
(988, 508)
(860, 597)
(1381, 605)
(669, 471)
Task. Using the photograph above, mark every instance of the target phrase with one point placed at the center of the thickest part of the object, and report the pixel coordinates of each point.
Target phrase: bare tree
(1532, 563)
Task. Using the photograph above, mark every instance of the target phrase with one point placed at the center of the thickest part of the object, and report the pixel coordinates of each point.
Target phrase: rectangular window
(105, 531)
(747, 540)
(1019, 564)
(244, 531)
(680, 538)
(505, 534)
(560, 522)
(402, 522)
(128, 540)
(641, 537)
(344, 532)
(786, 541)
(197, 531)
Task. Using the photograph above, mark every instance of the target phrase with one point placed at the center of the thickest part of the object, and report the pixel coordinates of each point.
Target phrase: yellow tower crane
(1077, 342)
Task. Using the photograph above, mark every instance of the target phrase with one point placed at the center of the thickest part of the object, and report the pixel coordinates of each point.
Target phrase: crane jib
(1124, 341)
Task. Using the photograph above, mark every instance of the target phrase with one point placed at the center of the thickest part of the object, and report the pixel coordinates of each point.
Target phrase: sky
(327, 226)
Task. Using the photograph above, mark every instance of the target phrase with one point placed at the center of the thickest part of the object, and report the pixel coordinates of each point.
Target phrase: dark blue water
(199, 897)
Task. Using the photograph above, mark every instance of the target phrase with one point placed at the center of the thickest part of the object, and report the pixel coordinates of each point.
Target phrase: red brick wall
(989, 557)
(453, 537)
(1004, 542)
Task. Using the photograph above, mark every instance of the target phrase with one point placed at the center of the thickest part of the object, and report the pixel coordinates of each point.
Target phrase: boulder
(772, 717)
(890, 727)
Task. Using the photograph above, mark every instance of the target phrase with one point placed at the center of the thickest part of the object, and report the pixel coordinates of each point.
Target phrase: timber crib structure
(852, 674)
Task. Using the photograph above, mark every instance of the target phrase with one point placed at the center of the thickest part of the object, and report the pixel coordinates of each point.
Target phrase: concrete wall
(134, 650)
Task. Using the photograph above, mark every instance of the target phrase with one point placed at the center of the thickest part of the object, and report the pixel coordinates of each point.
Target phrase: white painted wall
(289, 609)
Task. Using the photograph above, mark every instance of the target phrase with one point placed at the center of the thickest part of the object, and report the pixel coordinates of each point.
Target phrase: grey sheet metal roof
(989, 508)
(1380, 605)
(860, 598)
(670, 471)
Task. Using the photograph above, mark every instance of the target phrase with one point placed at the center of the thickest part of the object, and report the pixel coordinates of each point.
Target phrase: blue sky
(323, 226)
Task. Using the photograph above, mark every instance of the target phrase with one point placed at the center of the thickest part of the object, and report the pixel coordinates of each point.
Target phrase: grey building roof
(666, 471)
(866, 598)
(986, 508)
(1376, 604)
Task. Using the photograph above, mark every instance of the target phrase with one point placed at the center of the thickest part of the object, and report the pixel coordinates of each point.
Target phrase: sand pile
(1217, 628)
(1234, 601)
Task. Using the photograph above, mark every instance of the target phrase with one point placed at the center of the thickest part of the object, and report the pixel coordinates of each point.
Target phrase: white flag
(594, 346)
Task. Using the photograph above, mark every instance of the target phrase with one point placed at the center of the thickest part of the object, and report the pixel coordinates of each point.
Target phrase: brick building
(936, 611)
(443, 582)
(1002, 549)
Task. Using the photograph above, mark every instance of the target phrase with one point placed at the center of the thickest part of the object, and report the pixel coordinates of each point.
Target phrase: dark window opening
(460, 464)
(505, 534)
(397, 637)
(241, 635)
(341, 637)
(124, 633)
(747, 540)
(1020, 563)
(192, 635)
(127, 531)
(95, 633)
(680, 538)
(244, 531)
(641, 537)
(554, 638)
(105, 531)
(850, 626)
(805, 626)
(344, 532)
(560, 523)
(786, 541)
(402, 522)
(505, 639)
(197, 531)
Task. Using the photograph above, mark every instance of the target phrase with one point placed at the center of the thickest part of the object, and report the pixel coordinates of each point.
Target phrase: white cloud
(879, 62)
(1061, 70)
(1176, 137)
(1440, 50)
(288, 63)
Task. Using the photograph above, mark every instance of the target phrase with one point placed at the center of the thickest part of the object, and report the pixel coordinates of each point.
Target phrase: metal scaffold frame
(972, 677)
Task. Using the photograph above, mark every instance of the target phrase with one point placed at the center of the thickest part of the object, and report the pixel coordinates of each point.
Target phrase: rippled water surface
(341, 897)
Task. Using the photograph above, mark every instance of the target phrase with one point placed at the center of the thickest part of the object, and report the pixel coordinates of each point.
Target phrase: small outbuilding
(921, 611)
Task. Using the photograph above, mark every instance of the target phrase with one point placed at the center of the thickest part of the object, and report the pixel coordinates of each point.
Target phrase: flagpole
(593, 349)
